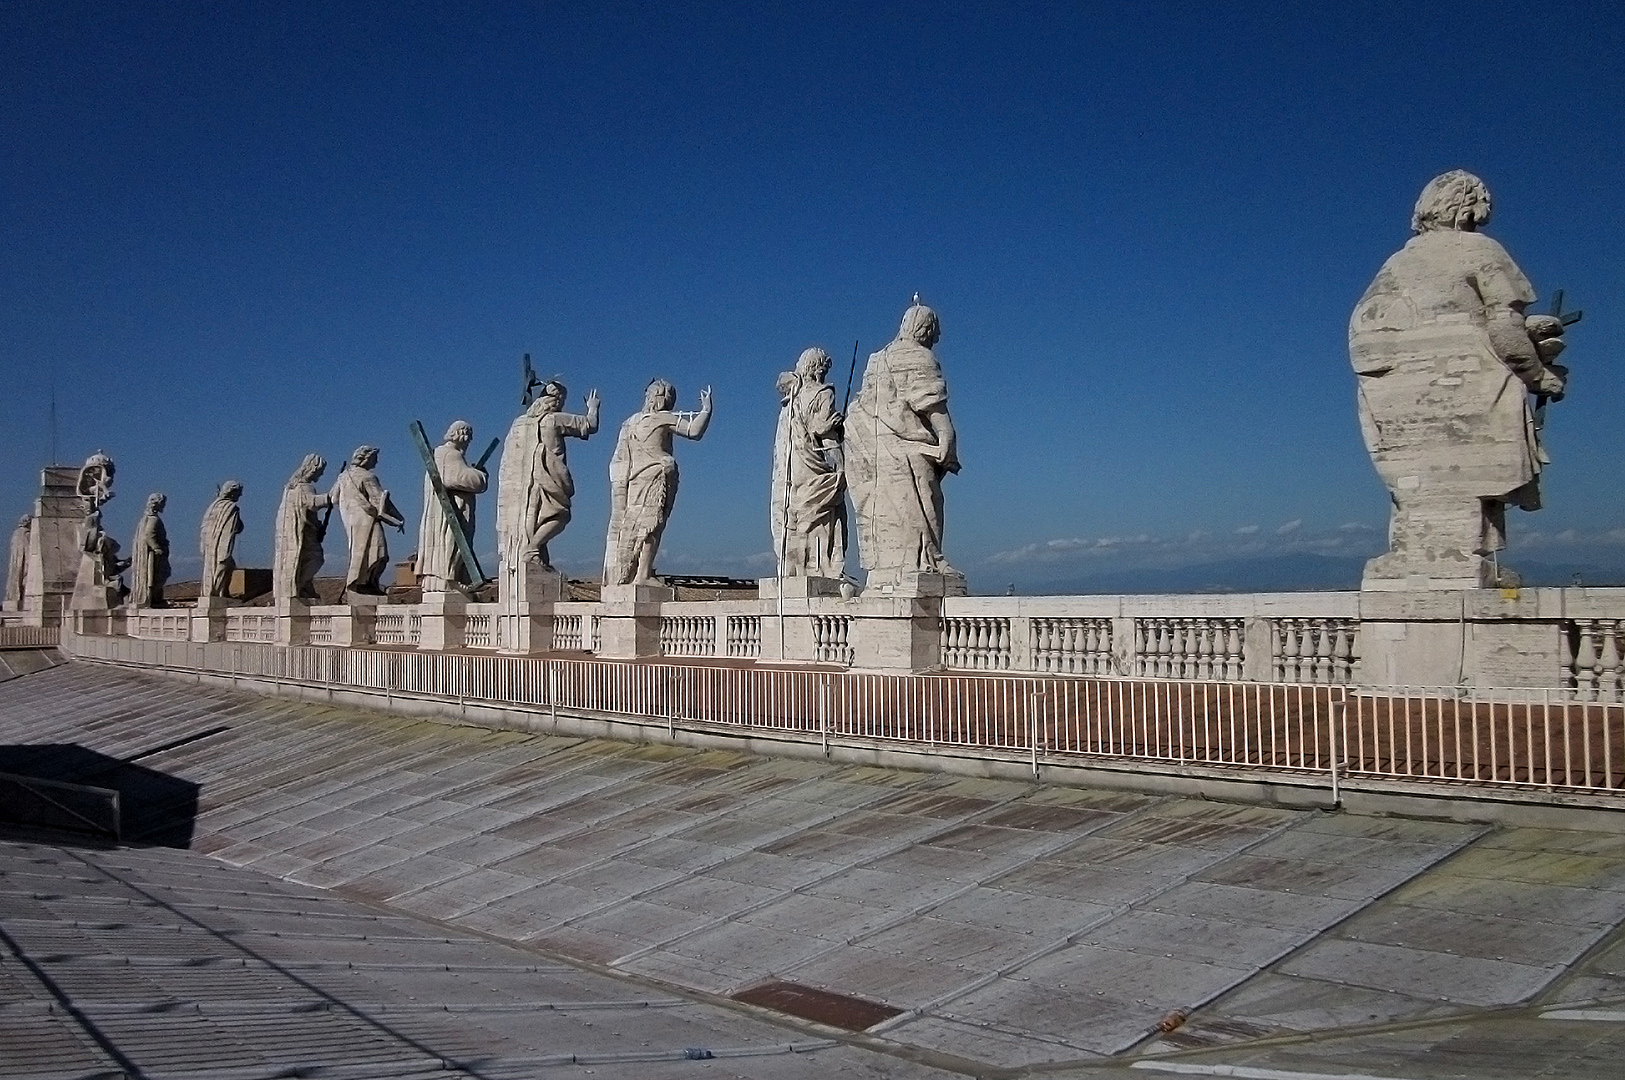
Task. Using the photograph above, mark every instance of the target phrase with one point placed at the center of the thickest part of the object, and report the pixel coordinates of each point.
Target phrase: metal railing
(1525, 740)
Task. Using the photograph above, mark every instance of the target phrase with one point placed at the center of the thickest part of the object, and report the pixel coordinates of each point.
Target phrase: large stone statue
(99, 586)
(365, 507)
(1446, 360)
(643, 482)
(301, 525)
(17, 566)
(808, 502)
(534, 486)
(899, 443)
(149, 555)
(217, 539)
(439, 565)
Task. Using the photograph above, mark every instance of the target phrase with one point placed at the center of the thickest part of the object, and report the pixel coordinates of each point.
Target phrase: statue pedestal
(629, 620)
(907, 584)
(771, 588)
(293, 622)
(525, 598)
(444, 621)
(209, 619)
(353, 623)
(107, 621)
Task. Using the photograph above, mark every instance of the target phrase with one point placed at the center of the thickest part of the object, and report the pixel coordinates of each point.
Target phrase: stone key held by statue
(420, 439)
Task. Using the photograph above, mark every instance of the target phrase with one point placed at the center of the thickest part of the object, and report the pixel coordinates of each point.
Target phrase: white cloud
(1292, 526)
(1246, 530)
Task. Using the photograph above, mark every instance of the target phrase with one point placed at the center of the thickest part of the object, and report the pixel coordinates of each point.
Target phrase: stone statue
(17, 567)
(439, 566)
(808, 502)
(217, 539)
(534, 486)
(366, 508)
(899, 443)
(643, 482)
(300, 530)
(1446, 360)
(99, 585)
(149, 555)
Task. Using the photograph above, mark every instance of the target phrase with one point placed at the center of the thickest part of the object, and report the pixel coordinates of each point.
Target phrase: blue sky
(232, 237)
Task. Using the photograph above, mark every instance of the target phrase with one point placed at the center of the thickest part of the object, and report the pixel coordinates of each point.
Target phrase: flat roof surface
(994, 925)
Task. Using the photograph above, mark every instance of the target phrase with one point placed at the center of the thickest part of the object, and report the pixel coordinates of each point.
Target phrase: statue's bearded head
(660, 396)
(920, 326)
(814, 362)
(230, 490)
(785, 384)
(460, 434)
(365, 457)
(156, 502)
(1455, 200)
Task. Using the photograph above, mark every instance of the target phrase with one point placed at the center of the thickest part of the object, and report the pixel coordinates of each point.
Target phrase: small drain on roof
(836, 1010)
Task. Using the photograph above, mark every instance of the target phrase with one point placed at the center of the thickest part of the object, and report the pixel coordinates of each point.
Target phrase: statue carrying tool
(458, 533)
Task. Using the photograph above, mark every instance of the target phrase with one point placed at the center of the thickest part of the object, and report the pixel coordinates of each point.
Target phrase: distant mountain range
(1284, 573)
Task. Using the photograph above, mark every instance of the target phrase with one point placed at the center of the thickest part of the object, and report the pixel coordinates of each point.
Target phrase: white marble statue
(217, 539)
(899, 443)
(365, 507)
(98, 585)
(534, 486)
(149, 555)
(301, 525)
(439, 565)
(1446, 361)
(807, 514)
(643, 482)
(17, 566)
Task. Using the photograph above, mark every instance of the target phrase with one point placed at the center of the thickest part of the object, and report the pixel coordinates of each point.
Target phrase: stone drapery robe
(534, 484)
(149, 561)
(896, 486)
(439, 561)
(363, 506)
(300, 528)
(17, 567)
(807, 514)
(217, 539)
(1441, 413)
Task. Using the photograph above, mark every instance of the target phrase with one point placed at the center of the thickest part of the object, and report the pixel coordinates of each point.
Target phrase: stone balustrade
(1567, 640)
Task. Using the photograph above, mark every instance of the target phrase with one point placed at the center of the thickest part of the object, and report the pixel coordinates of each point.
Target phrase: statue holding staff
(439, 564)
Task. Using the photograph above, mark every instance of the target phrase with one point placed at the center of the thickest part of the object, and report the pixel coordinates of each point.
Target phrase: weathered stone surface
(17, 565)
(1446, 359)
(534, 487)
(439, 564)
(807, 505)
(365, 507)
(899, 443)
(301, 526)
(643, 482)
(99, 586)
(217, 540)
(149, 555)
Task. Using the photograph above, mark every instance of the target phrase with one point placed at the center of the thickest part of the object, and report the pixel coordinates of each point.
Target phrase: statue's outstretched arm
(694, 426)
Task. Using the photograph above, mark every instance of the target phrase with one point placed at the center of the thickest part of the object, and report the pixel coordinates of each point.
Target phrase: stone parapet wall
(1571, 640)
